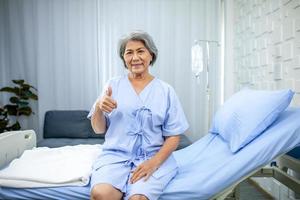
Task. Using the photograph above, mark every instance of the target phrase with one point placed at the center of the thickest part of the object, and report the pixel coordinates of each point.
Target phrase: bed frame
(278, 170)
(14, 143)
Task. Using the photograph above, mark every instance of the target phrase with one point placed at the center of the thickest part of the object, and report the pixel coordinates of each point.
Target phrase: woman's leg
(151, 189)
(105, 191)
(108, 182)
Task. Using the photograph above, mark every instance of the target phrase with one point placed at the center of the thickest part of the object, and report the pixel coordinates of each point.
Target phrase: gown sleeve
(175, 121)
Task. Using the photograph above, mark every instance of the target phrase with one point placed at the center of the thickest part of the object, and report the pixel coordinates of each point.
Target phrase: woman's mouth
(136, 65)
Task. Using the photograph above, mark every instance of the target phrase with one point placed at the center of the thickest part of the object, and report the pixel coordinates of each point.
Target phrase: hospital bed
(207, 168)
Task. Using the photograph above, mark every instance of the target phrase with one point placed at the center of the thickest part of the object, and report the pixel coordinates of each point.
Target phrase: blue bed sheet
(205, 168)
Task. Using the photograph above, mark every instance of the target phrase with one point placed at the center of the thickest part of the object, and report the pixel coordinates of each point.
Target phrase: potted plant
(18, 106)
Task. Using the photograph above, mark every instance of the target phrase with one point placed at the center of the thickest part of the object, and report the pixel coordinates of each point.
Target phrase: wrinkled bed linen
(48, 167)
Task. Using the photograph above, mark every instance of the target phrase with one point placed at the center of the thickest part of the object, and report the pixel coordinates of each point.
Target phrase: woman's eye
(140, 51)
(128, 53)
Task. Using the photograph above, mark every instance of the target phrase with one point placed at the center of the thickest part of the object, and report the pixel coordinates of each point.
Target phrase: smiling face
(137, 57)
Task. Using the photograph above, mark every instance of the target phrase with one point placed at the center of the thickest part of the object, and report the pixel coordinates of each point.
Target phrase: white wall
(267, 45)
(265, 53)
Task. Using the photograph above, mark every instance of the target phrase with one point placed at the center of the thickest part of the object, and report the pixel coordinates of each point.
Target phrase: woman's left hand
(145, 169)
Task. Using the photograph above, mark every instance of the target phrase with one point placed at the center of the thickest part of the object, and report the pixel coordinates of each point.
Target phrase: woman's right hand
(107, 103)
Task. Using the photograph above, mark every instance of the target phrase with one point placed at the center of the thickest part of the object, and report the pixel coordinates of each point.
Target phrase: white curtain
(68, 49)
(17, 50)
(66, 55)
(52, 44)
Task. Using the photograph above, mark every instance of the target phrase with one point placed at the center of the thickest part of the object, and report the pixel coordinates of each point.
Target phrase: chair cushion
(247, 114)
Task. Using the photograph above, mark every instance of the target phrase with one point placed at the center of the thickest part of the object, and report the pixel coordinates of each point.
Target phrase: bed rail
(14, 143)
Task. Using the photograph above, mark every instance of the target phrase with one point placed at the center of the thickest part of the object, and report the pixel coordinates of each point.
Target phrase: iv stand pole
(207, 42)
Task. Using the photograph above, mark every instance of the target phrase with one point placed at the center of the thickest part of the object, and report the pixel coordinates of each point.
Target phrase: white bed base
(14, 143)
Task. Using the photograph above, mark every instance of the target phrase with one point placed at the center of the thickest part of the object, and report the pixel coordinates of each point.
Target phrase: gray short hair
(142, 36)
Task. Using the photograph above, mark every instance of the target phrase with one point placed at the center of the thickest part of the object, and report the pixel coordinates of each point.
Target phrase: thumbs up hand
(108, 92)
(107, 103)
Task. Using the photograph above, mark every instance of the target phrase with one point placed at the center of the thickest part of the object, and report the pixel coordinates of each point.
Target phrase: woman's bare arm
(98, 121)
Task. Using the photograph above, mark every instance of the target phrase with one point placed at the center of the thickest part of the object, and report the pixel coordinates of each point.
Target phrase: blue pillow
(68, 124)
(247, 114)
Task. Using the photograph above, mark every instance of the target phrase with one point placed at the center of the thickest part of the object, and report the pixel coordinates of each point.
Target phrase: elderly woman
(142, 118)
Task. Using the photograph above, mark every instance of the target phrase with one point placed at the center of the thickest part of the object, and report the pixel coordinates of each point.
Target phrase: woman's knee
(98, 193)
(138, 197)
(105, 192)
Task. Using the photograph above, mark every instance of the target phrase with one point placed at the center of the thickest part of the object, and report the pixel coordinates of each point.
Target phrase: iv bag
(197, 58)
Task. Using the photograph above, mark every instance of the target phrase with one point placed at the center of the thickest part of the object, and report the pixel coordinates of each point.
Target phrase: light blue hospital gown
(136, 131)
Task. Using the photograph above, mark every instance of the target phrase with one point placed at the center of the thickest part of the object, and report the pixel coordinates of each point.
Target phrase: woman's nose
(135, 56)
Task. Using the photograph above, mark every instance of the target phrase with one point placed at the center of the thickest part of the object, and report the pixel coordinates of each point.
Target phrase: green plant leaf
(15, 126)
(23, 94)
(22, 103)
(19, 82)
(14, 100)
(33, 88)
(11, 109)
(14, 90)
(25, 111)
(34, 97)
(23, 97)
(25, 87)
(19, 104)
(3, 113)
(3, 123)
(2, 128)
(31, 95)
